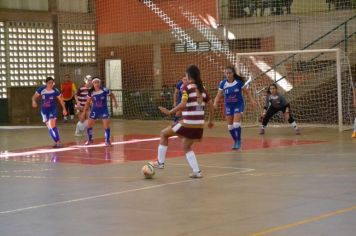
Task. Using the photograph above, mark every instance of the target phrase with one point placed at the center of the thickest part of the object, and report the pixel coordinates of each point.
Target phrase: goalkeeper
(276, 102)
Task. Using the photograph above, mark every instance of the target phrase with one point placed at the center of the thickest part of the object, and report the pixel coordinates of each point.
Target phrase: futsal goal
(317, 83)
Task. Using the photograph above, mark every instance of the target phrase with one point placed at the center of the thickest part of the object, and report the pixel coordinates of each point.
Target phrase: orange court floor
(276, 184)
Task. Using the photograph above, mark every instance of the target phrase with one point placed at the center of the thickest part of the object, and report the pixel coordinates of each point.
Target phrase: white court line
(71, 148)
(119, 193)
(22, 127)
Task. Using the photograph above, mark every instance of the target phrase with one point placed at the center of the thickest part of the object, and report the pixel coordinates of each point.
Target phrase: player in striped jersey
(81, 97)
(190, 128)
(231, 87)
(48, 95)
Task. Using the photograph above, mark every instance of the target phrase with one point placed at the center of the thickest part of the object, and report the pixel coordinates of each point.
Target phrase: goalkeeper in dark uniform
(276, 102)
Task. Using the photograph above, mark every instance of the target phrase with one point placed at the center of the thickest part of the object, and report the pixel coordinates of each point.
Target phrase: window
(30, 49)
(2, 61)
(78, 44)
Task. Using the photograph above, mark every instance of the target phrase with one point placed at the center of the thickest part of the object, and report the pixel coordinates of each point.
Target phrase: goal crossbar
(337, 52)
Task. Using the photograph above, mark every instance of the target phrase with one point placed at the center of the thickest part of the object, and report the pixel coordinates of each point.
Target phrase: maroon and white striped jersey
(193, 114)
(82, 95)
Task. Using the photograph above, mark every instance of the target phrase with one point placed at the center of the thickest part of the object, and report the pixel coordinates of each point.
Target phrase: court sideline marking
(71, 148)
(120, 192)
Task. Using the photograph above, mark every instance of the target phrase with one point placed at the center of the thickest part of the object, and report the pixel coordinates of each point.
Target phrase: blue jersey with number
(48, 97)
(99, 107)
(233, 99)
(232, 91)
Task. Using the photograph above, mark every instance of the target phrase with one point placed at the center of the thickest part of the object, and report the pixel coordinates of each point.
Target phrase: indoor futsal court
(89, 87)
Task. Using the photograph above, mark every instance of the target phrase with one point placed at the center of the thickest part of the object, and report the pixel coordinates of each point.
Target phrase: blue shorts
(231, 109)
(48, 114)
(99, 114)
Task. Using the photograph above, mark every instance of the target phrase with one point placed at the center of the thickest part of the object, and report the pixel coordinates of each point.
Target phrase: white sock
(192, 160)
(80, 126)
(294, 125)
(355, 125)
(71, 117)
(236, 125)
(77, 127)
(162, 150)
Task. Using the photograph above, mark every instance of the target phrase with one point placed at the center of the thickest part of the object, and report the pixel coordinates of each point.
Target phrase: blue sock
(233, 134)
(90, 133)
(107, 135)
(238, 133)
(54, 134)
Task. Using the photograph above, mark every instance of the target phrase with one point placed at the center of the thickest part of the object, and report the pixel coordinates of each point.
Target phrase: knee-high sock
(54, 134)
(192, 160)
(161, 153)
(90, 133)
(107, 135)
(237, 129)
(232, 132)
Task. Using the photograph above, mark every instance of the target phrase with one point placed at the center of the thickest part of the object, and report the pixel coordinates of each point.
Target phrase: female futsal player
(97, 97)
(276, 102)
(231, 87)
(190, 128)
(81, 97)
(48, 96)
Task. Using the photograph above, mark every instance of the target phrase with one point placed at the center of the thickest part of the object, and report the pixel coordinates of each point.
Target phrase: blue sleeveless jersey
(233, 99)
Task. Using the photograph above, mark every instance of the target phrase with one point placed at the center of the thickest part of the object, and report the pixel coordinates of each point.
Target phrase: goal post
(317, 82)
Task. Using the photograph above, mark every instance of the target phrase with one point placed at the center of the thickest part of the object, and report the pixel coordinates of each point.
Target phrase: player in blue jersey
(48, 95)
(177, 96)
(231, 87)
(97, 97)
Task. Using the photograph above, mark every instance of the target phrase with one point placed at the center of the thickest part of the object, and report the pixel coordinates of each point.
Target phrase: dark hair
(269, 90)
(236, 76)
(194, 73)
(49, 79)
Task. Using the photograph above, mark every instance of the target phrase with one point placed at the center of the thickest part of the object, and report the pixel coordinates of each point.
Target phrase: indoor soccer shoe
(88, 142)
(353, 134)
(157, 164)
(196, 175)
(108, 144)
(237, 144)
(57, 145)
(78, 134)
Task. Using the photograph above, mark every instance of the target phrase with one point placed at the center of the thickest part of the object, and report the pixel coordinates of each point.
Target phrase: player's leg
(79, 128)
(71, 109)
(191, 158)
(270, 112)
(66, 104)
(354, 132)
(230, 120)
(91, 123)
(106, 125)
(54, 132)
(291, 119)
(163, 146)
(237, 129)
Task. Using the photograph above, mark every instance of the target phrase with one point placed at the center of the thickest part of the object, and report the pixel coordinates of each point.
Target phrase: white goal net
(317, 83)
